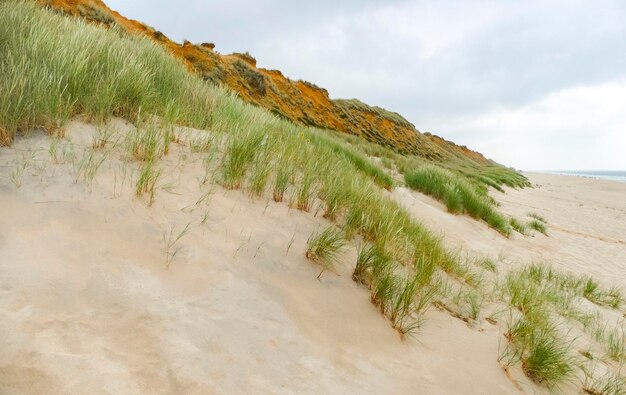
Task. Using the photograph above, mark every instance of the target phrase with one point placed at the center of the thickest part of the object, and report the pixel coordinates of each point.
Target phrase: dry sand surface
(88, 304)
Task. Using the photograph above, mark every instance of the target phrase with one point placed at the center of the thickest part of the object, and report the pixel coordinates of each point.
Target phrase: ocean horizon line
(611, 175)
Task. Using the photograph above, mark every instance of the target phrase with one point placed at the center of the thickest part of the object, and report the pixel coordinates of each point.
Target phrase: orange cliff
(299, 101)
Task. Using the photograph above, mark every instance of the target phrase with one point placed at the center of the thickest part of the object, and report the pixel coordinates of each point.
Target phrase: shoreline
(581, 174)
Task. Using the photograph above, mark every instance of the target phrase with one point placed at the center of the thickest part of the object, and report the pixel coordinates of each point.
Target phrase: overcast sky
(538, 85)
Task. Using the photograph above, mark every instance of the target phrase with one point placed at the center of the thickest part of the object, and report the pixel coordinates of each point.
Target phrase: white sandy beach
(89, 306)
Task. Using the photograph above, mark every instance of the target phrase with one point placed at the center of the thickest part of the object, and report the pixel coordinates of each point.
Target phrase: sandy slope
(87, 305)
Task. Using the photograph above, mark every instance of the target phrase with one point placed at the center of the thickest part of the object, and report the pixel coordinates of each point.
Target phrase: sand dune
(89, 304)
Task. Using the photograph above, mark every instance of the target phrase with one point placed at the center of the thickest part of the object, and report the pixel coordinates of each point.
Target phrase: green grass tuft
(518, 226)
(546, 358)
(538, 226)
(239, 156)
(537, 217)
(324, 247)
(458, 194)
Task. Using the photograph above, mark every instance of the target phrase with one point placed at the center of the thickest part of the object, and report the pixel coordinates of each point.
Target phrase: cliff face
(299, 101)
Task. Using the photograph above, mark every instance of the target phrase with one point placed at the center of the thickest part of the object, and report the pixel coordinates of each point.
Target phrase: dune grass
(360, 161)
(459, 195)
(496, 176)
(541, 297)
(65, 67)
(538, 217)
(543, 353)
(369, 257)
(538, 226)
(281, 182)
(488, 264)
(525, 227)
(535, 341)
(559, 284)
(616, 345)
(149, 174)
(240, 155)
(518, 226)
(607, 383)
(323, 247)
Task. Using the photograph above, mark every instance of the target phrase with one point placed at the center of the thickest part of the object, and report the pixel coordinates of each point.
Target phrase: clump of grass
(402, 298)
(474, 305)
(239, 155)
(148, 176)
(595, 293)
(305, 193)
(383, 285)
(616, 345)
(534, 342)
(408, 299)
(147, 143)
(546, 358)
(613, 298)
(518, 226)
(324, 247)
(466, 304)
(260, 173)
(488, 264)
(336, 192)
(498, 175)
(525, 296)
(538, 226)
(369, 258)
(457, 194)
(534, 339)
(608, 383)
(281, 182)
(591, 289)
(560, 285)
(52, 78)
(538, 217)
(358, 160)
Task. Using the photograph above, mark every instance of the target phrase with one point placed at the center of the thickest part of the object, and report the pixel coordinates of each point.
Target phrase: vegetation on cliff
(301, 102)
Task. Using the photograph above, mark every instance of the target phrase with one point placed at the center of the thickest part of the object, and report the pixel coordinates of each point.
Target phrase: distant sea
(614, 175)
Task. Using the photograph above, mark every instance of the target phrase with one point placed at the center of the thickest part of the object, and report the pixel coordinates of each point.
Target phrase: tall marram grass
(357, 159)
(323, 247)
(55, 67)
(534, 338)
(458, 194)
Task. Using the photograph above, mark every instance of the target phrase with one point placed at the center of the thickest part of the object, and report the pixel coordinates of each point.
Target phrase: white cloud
(576, 128)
